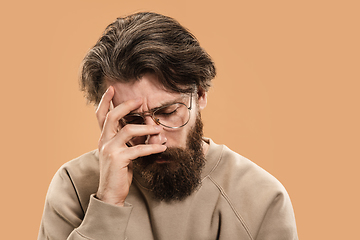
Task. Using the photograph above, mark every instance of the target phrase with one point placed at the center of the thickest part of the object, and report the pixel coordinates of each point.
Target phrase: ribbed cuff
(105, 221)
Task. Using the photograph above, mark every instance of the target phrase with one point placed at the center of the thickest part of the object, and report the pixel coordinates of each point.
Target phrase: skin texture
(115, 156)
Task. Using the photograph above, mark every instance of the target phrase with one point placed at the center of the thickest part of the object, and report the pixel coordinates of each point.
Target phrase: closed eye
(167, 111)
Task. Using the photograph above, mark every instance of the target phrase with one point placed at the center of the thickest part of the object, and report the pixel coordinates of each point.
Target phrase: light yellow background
(286, 96)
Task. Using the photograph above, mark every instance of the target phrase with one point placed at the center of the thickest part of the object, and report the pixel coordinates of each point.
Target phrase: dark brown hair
(141, 43)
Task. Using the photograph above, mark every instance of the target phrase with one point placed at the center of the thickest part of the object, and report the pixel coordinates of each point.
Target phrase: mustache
(170, 154)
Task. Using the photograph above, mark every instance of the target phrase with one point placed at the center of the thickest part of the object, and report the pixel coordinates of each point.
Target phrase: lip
(162, 161)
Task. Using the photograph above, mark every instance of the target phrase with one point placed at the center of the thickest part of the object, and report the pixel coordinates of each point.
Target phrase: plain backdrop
(286, 96)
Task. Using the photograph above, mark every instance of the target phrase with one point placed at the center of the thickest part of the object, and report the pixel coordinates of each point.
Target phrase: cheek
(176, 138)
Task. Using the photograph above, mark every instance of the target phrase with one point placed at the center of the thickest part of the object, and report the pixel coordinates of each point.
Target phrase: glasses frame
(151, 113)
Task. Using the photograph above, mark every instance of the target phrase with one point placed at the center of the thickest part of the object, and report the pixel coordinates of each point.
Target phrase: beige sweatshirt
(237, 200)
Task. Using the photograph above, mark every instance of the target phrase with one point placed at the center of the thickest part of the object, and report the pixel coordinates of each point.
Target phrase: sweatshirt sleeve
(279, 220)
(64, 216)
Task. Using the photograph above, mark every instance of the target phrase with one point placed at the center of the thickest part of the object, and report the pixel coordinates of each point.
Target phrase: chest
(196, 217)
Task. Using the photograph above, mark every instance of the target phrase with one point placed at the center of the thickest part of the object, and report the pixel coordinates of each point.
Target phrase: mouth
(158, 158)
(162, 161)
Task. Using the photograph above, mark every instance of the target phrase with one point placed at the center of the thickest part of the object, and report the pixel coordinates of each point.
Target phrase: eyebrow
(178, 100)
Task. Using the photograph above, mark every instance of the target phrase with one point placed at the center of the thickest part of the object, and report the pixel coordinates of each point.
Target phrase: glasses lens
(133, 119)
(174, 115)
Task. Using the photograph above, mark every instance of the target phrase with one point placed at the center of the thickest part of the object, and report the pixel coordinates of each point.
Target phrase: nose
(159, 138)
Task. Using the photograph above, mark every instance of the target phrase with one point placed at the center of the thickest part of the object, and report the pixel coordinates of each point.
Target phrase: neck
(205, 146)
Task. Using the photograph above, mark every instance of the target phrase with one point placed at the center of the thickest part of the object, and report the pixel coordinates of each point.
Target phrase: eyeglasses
(175, 115)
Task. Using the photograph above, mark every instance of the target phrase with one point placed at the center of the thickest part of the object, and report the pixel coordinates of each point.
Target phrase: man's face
(184, 158)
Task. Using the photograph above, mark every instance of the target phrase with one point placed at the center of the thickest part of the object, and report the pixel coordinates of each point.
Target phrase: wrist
(111, 201)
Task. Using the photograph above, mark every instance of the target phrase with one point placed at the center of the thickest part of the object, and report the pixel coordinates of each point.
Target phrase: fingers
(115, 156)
(104, 106)
(111, 122)
(131, 131)
(119, 142)
(123, 156)
(114, 139)
(143, 150)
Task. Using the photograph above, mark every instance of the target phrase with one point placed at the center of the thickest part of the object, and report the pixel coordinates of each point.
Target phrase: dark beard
(181, 176)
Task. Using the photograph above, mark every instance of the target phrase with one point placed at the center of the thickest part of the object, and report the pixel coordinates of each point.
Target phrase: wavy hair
(142, 43)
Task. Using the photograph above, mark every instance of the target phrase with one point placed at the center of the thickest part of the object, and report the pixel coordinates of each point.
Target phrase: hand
(115, 156)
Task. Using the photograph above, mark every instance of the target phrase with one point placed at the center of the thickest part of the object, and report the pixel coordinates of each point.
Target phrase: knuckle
(139, 148)
(110, 115)
(102, 144)
(128, 104)
(107, 153)
(126, 130)
(142, 148)
(105, 148)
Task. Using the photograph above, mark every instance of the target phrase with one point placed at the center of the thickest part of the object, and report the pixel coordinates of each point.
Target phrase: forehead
(148, 88)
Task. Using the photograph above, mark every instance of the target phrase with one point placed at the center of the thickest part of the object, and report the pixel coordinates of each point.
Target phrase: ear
(202, 98)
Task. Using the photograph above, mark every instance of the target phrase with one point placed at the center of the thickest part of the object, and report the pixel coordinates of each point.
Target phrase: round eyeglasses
(174, 115)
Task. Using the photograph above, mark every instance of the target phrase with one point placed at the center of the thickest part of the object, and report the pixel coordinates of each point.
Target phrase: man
(154, 175)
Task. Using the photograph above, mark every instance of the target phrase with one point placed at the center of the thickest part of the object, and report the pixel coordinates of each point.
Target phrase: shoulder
(83, 166)
(250, 192)
(237, 173)
(76, 180)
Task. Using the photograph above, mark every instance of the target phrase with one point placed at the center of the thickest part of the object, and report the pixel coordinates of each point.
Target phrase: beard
(180, 174)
